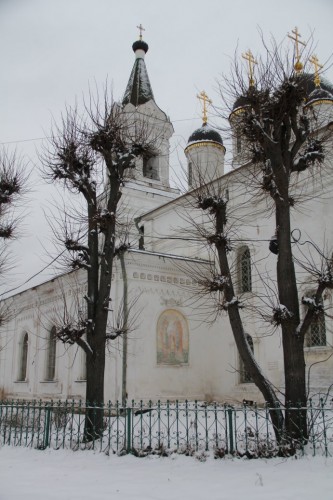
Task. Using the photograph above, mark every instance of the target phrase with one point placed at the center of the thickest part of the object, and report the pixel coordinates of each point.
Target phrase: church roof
(138, 90)
(205, 133)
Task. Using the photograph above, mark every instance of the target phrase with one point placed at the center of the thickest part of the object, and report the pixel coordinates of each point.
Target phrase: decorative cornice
(172, 280)
(238, 111)
(205, 144)
(315, 102)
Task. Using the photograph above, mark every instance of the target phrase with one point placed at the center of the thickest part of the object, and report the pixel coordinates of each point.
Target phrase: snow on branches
(217, 283)
(212, 204)
(312, 154)
(280, 314)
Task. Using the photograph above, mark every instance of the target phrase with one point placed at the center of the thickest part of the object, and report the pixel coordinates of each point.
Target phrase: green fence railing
(160, 428)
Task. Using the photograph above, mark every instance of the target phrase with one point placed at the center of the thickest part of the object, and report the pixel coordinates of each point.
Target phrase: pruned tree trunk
(245, 352)
(293, 349)
(92, 156)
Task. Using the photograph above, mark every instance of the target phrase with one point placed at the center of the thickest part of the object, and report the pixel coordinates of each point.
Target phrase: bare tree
(92, 154)
(13, 185)
(284, 120)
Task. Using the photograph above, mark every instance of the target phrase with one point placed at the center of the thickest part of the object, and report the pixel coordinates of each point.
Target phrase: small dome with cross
(205, 133)
(140, 45)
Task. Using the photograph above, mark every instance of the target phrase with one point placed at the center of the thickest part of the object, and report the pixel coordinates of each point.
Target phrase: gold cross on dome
(315, 61)
(205, 99)
(141, 29)
(298, 65)
(248, 56)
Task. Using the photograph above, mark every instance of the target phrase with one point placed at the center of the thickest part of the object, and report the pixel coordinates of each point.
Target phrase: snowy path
(35, 475)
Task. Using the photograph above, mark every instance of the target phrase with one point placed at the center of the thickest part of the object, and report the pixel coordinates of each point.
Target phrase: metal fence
(160, 428)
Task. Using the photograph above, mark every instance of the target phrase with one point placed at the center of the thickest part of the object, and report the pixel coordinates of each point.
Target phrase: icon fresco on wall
(172, 338)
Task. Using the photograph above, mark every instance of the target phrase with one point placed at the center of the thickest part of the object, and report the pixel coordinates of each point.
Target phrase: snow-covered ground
(35, 475)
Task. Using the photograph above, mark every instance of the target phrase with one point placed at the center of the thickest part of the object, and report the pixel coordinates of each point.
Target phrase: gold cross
(298, 65)
(248, 56)
(205, 99)
(315, 61)
(141, 28)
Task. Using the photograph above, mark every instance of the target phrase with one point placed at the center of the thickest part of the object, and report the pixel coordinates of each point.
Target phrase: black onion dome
(205, 133)
(140, 45)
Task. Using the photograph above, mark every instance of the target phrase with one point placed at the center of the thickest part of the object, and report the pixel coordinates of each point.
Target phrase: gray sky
(51, 50)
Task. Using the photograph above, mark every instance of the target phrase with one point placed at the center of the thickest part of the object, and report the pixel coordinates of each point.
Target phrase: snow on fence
(160, 428)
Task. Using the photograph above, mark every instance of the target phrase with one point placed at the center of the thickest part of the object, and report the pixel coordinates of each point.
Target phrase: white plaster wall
(161, 283)
(207, 160)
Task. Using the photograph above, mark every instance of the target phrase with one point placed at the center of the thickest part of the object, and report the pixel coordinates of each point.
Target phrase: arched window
(51, 354)
(245, 377)
(316, 335)
(24, 358)
(150, 167)
(245, 277)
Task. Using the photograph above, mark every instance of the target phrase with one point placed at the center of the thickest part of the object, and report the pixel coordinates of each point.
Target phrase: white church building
(178, 348)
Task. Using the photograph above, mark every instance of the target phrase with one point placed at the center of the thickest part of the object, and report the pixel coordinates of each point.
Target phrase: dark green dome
(310, 86)
(205, 133)
(319, 94)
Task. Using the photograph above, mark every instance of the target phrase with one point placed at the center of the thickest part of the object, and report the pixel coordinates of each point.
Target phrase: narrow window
(141, 238)
(51, 355)
(316, 336)
(24, 358)
(190, 174)
(245, 270)
(238, 142)
(245, 377)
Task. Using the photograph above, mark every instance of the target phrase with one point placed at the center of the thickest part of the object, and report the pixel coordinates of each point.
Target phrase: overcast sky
(51, 50)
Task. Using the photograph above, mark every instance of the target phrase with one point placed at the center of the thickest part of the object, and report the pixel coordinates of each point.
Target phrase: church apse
(172, 338)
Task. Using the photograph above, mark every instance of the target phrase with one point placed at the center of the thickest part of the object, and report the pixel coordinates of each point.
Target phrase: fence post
(231, 430)
(46, 438)
(129, 429)
(324, 425)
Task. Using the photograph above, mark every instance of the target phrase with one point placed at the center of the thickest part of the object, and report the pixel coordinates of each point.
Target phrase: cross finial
(298, 65)
(248, 56)
(315, 61)
(205, 99)
(141, 29)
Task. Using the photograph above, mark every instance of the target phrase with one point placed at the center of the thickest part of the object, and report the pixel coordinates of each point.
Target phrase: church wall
(208, 369)
(311, 220)
(173, 353)
(33, 312)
